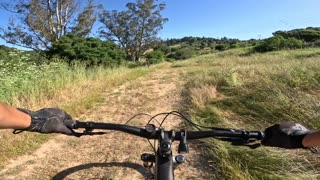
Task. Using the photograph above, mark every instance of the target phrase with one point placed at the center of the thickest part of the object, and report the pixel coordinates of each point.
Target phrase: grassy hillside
(230, 89)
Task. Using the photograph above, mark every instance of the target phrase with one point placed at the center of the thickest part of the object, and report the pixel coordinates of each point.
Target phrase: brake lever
(88, 133)
(241, 142)
(236, 140)
(88, 130)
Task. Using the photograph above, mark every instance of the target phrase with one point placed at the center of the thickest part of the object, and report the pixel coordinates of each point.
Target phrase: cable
(176, 113)
(153, 147)
(165, 118)
(141, 114)
(153, 117)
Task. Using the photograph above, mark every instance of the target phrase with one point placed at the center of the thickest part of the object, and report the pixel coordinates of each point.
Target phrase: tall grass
(73, 89)
(252, 92)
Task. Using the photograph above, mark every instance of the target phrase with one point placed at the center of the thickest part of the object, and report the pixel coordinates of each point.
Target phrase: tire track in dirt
(115, 155)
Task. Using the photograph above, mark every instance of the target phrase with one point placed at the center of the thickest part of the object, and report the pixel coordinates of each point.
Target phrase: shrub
(278, 43)
(165, 49)
(157, 54)
(316, 43)
(155, 57)
(182, 54)
(221, 47)
(91, 51)
(174, 49)
(293, 43)
(154, 61)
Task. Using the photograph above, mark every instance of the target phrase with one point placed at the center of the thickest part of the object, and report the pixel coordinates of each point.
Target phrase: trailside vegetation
(230, 90)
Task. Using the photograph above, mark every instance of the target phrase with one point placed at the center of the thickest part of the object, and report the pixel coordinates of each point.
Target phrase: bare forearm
(312, 139)
(11, 118)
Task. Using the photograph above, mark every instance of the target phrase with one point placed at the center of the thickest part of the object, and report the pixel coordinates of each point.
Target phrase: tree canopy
(39, 23)
(136, 28)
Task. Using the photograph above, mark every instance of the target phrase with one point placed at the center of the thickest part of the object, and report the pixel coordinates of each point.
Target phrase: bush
(91, 51)
(316, 43)
(278, 43)
(293, 43)
(165, 49)
(174, 49)
(155, 57)
(157, 54)
(221, 47)
(182, 54)
(154, 61)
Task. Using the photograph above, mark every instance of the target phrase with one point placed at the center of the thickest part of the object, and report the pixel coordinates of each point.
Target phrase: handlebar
(150, 132)
(162, 154)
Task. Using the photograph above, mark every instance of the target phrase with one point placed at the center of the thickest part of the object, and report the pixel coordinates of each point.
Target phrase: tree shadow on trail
(137, 167)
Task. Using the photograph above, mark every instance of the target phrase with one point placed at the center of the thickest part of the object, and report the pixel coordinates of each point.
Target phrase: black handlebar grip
(79, 124)
(256, 134)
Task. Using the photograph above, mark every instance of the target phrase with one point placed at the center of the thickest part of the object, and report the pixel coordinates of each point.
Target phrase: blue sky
(242, 19)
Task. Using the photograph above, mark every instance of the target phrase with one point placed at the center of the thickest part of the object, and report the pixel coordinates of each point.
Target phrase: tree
(136, 28)
(86, 19)
(38, 23)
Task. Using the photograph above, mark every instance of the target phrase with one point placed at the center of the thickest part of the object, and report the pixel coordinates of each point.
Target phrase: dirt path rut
(115, 155)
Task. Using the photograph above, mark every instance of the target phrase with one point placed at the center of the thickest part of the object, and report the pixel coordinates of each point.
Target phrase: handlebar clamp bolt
(179, 159)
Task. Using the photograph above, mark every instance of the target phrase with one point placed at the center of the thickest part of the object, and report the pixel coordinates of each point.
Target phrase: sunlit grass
(231, 89)
(72, 88)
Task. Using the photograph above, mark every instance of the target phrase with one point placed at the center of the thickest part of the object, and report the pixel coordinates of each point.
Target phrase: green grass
(74, 89)
(230, 89)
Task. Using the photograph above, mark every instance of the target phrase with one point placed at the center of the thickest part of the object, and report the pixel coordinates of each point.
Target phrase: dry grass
(200, 96)
(255, 91)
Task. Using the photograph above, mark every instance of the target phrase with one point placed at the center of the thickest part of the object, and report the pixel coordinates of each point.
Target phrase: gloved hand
(287, 135)
(49, 120)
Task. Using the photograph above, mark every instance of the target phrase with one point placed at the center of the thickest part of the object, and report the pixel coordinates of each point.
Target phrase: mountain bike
(161, 162)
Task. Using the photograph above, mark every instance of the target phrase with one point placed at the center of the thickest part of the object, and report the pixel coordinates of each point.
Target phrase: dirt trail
(115, 155)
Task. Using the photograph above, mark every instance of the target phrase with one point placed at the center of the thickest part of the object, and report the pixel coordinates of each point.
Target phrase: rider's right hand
(287, 135)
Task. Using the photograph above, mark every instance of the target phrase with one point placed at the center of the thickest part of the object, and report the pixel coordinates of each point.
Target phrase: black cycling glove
(287, 135)
(49, 120)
